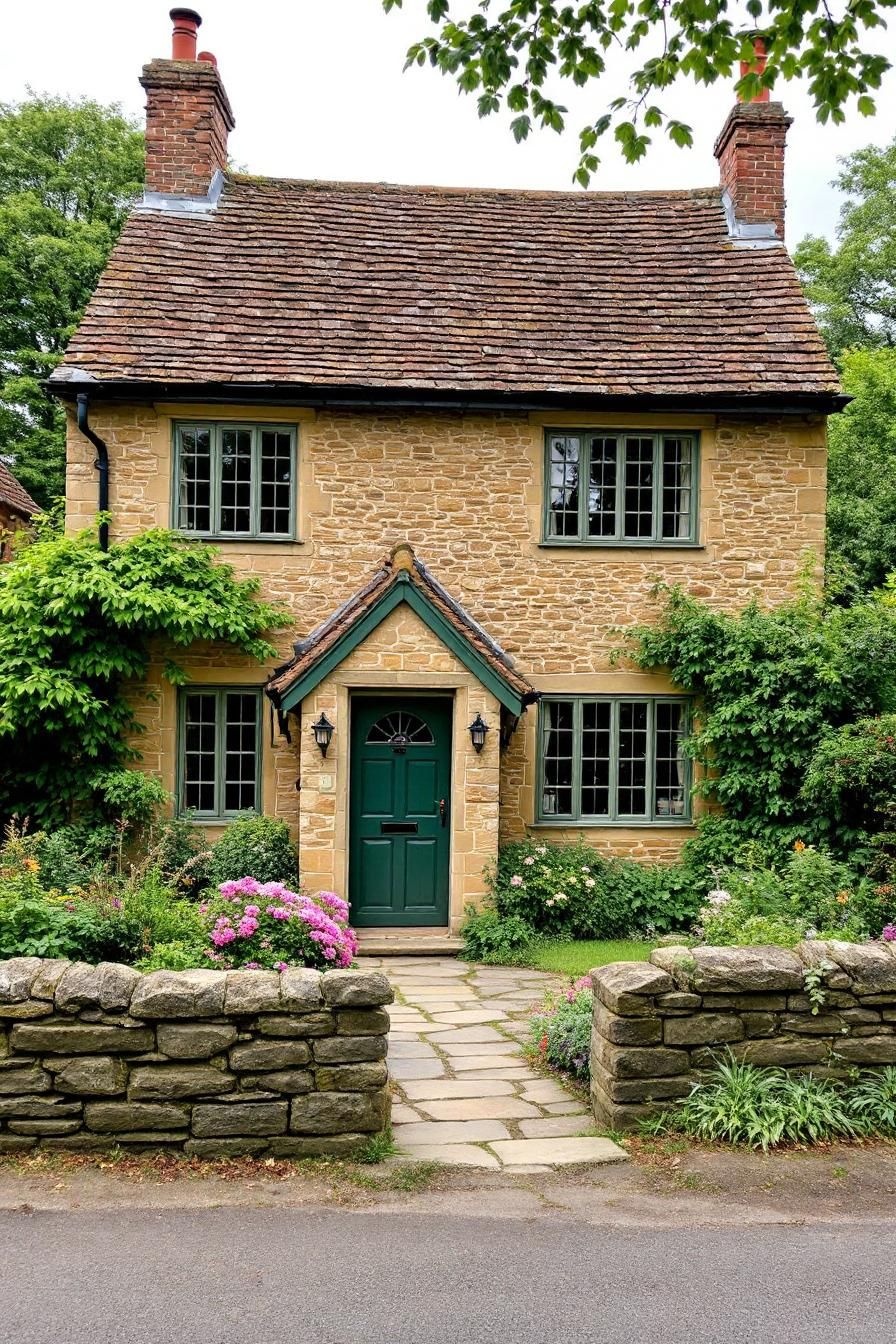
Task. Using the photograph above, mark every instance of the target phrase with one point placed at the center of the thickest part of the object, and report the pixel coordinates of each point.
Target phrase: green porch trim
(404, 590)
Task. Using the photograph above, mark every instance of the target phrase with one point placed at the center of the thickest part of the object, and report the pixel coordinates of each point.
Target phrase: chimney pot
(208, 57)
(756, 67)
(183, 38)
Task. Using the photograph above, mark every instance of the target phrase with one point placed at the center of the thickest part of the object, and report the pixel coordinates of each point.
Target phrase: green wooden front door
(399, 823)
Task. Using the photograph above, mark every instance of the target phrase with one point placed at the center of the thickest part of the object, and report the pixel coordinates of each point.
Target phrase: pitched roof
(402, 577)
(341, 285)
(15, 496)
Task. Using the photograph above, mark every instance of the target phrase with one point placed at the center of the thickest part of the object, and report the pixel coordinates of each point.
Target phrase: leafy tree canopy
(517, 55)
(75, 625)
(852, 286)
(68, 172)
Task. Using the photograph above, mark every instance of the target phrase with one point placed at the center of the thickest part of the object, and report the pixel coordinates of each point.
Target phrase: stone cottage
(461, 434)
(17, 508)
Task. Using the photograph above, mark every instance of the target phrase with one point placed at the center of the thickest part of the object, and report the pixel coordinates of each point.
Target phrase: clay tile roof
(401, 566)
(323, 284)
(15, 496)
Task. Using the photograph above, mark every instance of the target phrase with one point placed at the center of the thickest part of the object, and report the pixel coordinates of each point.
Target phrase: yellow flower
(842, 897)
(799, 846)
(32, 865)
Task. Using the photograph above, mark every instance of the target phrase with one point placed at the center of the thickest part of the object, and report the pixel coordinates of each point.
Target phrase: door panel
(399, 841)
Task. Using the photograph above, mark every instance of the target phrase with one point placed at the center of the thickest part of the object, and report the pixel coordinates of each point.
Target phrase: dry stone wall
(660, 1026)
(214, 1063)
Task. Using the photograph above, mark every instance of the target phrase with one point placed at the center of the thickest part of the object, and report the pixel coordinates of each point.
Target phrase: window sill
(555, 544)
(210, 821)
(599, 824)
(235, 539)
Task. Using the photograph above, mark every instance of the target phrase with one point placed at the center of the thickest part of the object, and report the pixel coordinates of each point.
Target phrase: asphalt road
(235, 1276)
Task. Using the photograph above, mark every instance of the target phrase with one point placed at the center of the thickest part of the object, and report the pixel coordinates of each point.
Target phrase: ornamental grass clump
(253, 925)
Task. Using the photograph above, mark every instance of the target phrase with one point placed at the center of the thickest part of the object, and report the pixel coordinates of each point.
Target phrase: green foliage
(852, 774)
(769, 685)
(177, 955)
(68, 172)
(861, 533)
(570, 890)
(254, 846)
(509, 53)
(561, 1032)
(852, 287)
(813, 982)
(762, 1108)
(74, 625)
(494, 938)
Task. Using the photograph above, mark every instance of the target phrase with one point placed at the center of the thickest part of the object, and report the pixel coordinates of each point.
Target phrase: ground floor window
(219, 751)
(608, 758)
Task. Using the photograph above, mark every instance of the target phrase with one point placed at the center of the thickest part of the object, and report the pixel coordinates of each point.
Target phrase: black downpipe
(101, 464)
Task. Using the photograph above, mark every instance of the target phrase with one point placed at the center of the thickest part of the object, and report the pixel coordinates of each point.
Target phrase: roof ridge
(435, 189)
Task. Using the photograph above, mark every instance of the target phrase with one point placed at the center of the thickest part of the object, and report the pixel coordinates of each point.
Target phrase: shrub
(42, 925)
(176, 955)
(569, 890)
(257, 845)
(494, 938)
(562, 1030)
(253, 924)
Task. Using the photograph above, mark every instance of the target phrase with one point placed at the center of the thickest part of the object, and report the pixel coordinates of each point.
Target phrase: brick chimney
(188, 116)
(750, 151)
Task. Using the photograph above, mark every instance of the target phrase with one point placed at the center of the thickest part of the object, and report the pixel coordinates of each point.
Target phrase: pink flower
(252, 911)
(247, 927)
(516, 880)
(888, 934)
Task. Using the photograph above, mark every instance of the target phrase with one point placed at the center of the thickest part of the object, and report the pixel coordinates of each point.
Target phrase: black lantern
(323, 733)
(478, 730)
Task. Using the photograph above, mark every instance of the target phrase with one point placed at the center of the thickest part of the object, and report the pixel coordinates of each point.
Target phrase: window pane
(671, 768)
(677, 487)
(236, 480)
(638, 488)
(564, 486)
(276, 481)
(195, 480)
(596, 759)
(602, 489)
(199, 753)
(240, 737)
(557, 756)
(631, 791)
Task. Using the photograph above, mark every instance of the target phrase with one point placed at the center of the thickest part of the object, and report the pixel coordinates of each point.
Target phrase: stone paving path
(464, 1093)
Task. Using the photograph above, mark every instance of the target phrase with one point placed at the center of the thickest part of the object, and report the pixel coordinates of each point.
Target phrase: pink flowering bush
(253, 925)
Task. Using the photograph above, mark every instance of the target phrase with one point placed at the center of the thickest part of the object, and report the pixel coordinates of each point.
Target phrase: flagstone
(546, 1090)
(416, 1068)
(451, 1154)
(412, 1048)
(481, 1108)
(553, 1126)
(513, 1074)
(450, 1089)
(402, 1114)
(557, 1152)
(495, 1047)
(487, 1063)
(454, 1131)
(565, 1108)
(468, 1016)
(476, 1035)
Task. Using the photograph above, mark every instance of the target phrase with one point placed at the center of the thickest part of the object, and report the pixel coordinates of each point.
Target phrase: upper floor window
(624, 488)
(219, 751)
(235, 480)
(606, 759)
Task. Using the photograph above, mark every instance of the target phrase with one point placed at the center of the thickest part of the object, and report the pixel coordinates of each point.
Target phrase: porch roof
(402, 577)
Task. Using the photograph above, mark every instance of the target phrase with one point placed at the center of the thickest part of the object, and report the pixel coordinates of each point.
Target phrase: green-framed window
(235, 480)
(219, 751)
(609, 759)
(605, 488)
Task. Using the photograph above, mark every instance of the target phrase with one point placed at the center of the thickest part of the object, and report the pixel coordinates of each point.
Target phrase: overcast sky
(318, 91)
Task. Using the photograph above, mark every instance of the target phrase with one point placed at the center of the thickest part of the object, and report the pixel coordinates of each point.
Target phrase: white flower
(541, 849)
(589, 883)
(585, 868)
(811, 933)
(528, 860)
(718, 898)
(549, 900)
(560, 896)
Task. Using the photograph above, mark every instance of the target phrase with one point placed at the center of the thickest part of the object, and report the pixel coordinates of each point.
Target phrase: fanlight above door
(400, 731)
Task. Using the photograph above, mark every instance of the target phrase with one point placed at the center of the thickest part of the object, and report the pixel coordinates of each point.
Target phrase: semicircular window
(400, 730)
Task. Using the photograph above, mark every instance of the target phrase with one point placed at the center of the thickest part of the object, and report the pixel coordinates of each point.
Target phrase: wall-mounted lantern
(323, 733)
(478, 730)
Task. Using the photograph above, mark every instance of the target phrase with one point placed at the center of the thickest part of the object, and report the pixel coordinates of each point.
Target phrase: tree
(861, 542)
(76, 624)
(68, 173)
(852, 287)
(511, 53)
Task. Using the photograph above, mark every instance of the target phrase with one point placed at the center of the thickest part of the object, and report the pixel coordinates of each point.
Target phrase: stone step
(408, 943)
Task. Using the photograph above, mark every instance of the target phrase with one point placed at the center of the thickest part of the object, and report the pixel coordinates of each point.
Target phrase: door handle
(443, 811)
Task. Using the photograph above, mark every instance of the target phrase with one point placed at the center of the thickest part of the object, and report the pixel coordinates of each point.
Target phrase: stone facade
(466, 491)
(659, 1026)
(211, 1063)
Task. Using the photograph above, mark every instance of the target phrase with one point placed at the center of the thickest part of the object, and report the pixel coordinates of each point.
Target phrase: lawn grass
(575, 959)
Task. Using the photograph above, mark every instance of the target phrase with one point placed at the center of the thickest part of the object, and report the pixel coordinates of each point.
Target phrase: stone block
(609, 1114)
(25, 1011)
(256, 1119)
(194, 1040)
(759, 1024)
(161, 1082)
(290, 1082)
(676, 961)
(335, 1145)
(807, 1024)
(628, 988)
(745, 969)
(212, 1148)
(703, 1029)
(627, 1030)
(21, 1081)
(362, 1022)
(746, 1003)
(300, 989)
(868, 1050)
(173, 994)
(44, 983)
(37, 1108)
(356, 989)
(254, 1055)
(16, 976)
(638, 1062)
(113, 1117)
(871, 967)
(152, 1138)
(339, 1112)
(349, 1049)
(15, 1143)
(642, 1089)
(352, 1077)
(79, 987)
(80, 1038)
(778, 1052)
(41, 1128)
(117, 985)
(299, 1026)
(91, 1075)
(250, 992)
(679, 1001)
